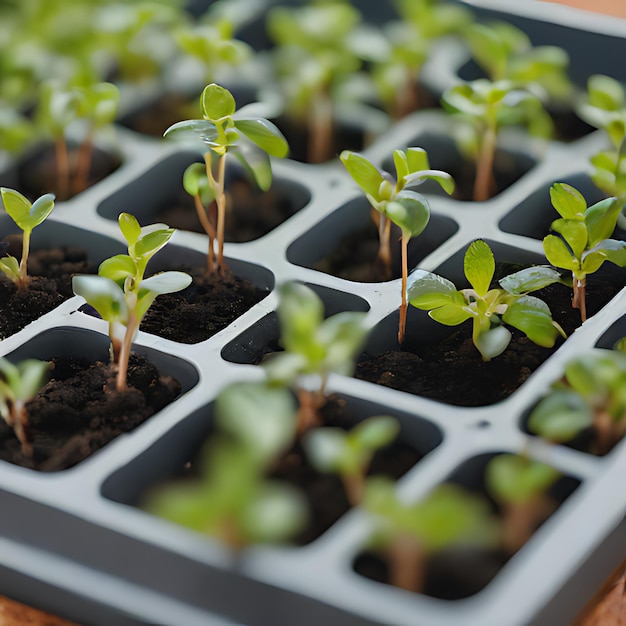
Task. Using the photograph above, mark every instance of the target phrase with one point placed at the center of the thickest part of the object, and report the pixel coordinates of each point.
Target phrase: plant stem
(407, 563)
(403, 306)
(521, 519)
(209, 229)
(607, 431)
(484, 166)
(122, 370)
(221, 211)
(320, 129)
(407, 99)
(308, 416)
(24, 260)
(19, 422)
(383, 224)
(354, 485)
(63, 168)
(579, 299)
(85, 153)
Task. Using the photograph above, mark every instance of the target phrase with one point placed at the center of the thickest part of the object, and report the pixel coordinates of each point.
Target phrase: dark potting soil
(156, 118)
(453, 371)
(204, 308)
(79, 411)
(50, 284)
(251, 213)
(325, 492)
(38, 175)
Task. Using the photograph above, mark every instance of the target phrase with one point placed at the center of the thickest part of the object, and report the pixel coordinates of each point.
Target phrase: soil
(251, 213)
(50, 284)
(79, 411)
(453, 371)
(325, 492)
(204, 308)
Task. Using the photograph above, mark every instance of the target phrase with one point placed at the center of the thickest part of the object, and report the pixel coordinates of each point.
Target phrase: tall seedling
(393, 201)
(224, 131)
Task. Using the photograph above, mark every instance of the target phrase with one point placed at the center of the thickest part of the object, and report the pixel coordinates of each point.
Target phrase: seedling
(582, 242)
(26, 216)
(591, 394)
(409, 534)
(313, 346)
(232, 500)
(120, 293)
(19, 384)
(520, 486)
(250, 139)
(606, 109)
(393, 201)
(489, 309)
(349, 454)
(16, 131)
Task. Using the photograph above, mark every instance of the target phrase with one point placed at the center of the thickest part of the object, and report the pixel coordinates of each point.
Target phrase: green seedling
(313, 346)
(232, 500)
(349, 454)
(582, 242)
(591, 395)
(19, 384)
(224, 131)
(484, 107)
(394, 201)
(26, 216)
(120, 293)
(409, 43)
(490, 309)
(520, 487)
(16, 130)
(409, 534)
(605, 108)
(317, 53)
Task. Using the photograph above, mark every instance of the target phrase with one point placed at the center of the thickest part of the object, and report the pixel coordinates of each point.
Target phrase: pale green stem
(24, 260)
(405, 271)
(484, 166)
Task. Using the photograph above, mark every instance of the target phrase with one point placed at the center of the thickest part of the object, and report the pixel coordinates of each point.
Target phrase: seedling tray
(76, 543)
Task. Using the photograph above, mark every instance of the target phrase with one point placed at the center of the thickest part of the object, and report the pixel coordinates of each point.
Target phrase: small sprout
(393, 201)
(489, 309)
(621, 344)
(410, 534)
(232, 500)
(120, 293)
(313, 345)
(224, 130)
(19, 384)
(16, 130)
(520, 486)
(350, 453)
(582, 242)
(26, 216)
(590, 395)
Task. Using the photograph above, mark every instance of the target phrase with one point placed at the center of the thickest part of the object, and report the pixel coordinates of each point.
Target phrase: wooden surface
(609, 7)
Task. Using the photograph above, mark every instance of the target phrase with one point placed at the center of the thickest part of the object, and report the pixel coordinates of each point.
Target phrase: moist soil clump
(78, 411)
(204, 308)
(453, 371)
(325, 492)
(50, 273)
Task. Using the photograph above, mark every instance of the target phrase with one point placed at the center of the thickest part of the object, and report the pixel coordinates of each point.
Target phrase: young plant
(313, 346)
(26, 216)
(490, 309)
(349, 454)
(591, 394)
(394, 201)
(232, 500)
(409, 534)
(605, 108)
(19, 384)
(581, 243)
(520, 486)
(120, 293)
(224, 131)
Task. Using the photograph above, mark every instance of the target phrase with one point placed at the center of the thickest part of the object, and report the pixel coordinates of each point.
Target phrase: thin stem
(85, 154)
(24, 260)
(221, 211)
(63, 168)
(209, 229)
(308, 416)
(484, 167)
(405, 271)
(407, 563)
(521, 519)
(354, 485)
(579, 301)
(407, 99)
(122, 371)
(384, 247)
(320, 129)
(19, 422)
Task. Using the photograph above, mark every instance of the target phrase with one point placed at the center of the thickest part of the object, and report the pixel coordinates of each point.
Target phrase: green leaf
(325, 448)
(479, 266)
(605, 92)
(103, 294)
(217, 102)
(410, 211)
(492, 342)
(376, 432)
(130, 228)
(10, 266)
(117, 268)
(401, 164)
(265, 135)
(341, 337)
(607, 249)
(450, 314)
(532, 316)
(417, 160)
(256, 162)
(575, 234)
(530, 279)
(446, 182)
(203, 130)
(23, 213)
(558, 254)
(152, 241)
(568, 201)
(300, 312)
(365, 174)
(601, 219)
(427, 290)
(560, 416)
(166, 282)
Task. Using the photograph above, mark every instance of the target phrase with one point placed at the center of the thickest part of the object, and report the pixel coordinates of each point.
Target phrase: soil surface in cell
(50, 284)
(204, 308)
(453, 371)
(78, 411)
(251, 213)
